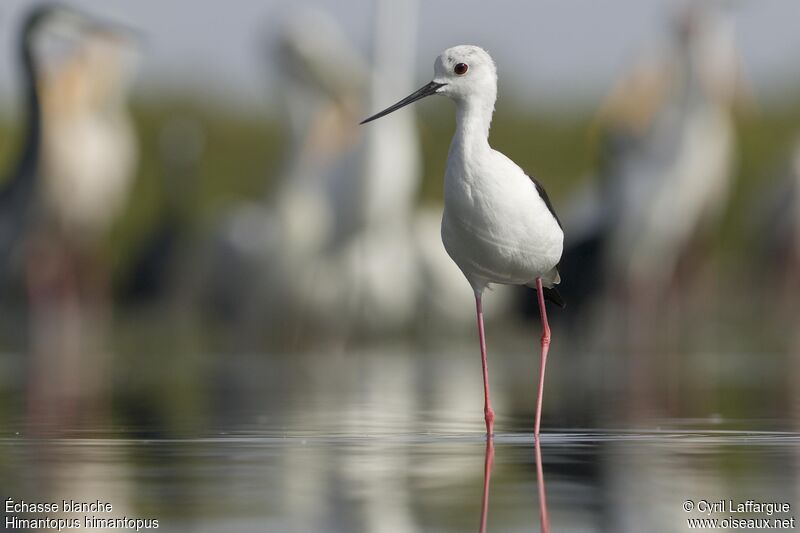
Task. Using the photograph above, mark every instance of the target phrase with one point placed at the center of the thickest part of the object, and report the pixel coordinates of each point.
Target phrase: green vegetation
(243, 153)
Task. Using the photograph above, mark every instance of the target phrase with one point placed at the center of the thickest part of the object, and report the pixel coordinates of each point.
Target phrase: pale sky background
(544, 48)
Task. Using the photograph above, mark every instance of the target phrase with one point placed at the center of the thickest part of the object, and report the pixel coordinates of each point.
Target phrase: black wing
(552, 293)
(546, 198)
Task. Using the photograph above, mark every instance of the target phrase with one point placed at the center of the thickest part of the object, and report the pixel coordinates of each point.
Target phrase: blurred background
(198, 240)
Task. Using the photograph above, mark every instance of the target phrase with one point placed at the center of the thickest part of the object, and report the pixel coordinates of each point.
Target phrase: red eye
(461, 69)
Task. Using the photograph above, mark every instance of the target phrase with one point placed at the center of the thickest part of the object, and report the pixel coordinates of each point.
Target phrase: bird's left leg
(545, 349)
(487, 406)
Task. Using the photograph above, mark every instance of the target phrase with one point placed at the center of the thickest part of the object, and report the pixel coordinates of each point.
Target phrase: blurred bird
(663, 188)
(88, 159)
(264, 249)
(669, 167)
(24, 191)
(64, 203)
(89, 145)
(666, 166)
(343, 207)
(88, 156)
(498, 224)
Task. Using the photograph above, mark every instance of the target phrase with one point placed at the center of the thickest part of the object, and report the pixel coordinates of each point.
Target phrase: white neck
(473, 118)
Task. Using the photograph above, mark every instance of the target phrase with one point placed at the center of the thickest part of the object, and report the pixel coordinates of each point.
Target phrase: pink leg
(545, 349)
(487, 406)
(487, 477)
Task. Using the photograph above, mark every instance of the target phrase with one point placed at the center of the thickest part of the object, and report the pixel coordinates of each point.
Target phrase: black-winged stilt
(498, 224)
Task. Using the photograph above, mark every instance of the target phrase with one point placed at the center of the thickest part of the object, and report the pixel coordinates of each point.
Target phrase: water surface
(251, 481)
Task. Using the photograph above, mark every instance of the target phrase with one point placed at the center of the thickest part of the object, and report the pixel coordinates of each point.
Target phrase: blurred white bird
(266, 250)
(90, 147)
(340, 218)
(69, 84)
(643, 226)
(670, 172)
(55, 81)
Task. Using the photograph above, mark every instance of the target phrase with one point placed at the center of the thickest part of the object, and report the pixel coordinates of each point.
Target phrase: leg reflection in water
(487, 479)
(540, 485)
(487, 476)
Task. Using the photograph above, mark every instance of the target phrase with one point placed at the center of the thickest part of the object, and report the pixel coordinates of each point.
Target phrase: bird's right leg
(487, 407)
(545, 349)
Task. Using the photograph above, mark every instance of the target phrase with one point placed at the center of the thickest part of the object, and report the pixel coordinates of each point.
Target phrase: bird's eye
(461, 69)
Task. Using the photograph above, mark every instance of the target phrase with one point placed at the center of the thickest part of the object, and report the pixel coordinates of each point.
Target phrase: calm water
(392, 441)
(595, 481)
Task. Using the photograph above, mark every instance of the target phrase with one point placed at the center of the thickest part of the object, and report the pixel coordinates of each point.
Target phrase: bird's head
(461, 73)
(68, 21)
(57, 17)
(465, 71)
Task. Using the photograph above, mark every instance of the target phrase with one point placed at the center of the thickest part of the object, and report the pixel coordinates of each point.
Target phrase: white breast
(495, 226)
(89, 165)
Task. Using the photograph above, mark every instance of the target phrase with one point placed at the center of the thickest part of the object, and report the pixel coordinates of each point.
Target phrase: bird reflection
(488, 464)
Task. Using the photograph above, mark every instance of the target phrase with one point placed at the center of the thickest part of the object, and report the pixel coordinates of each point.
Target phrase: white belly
(497, 229)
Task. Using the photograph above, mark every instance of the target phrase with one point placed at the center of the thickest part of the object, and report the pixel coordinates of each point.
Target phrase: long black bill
(428, 90)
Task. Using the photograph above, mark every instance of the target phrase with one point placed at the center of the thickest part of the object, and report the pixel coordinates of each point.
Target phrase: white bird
(498, 224)
(67, 94)
(45, 24)
(344, 208)
(663, 188)
(89, 144)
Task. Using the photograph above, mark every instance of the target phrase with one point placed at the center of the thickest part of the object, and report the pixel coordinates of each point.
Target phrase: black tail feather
(551, 294)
